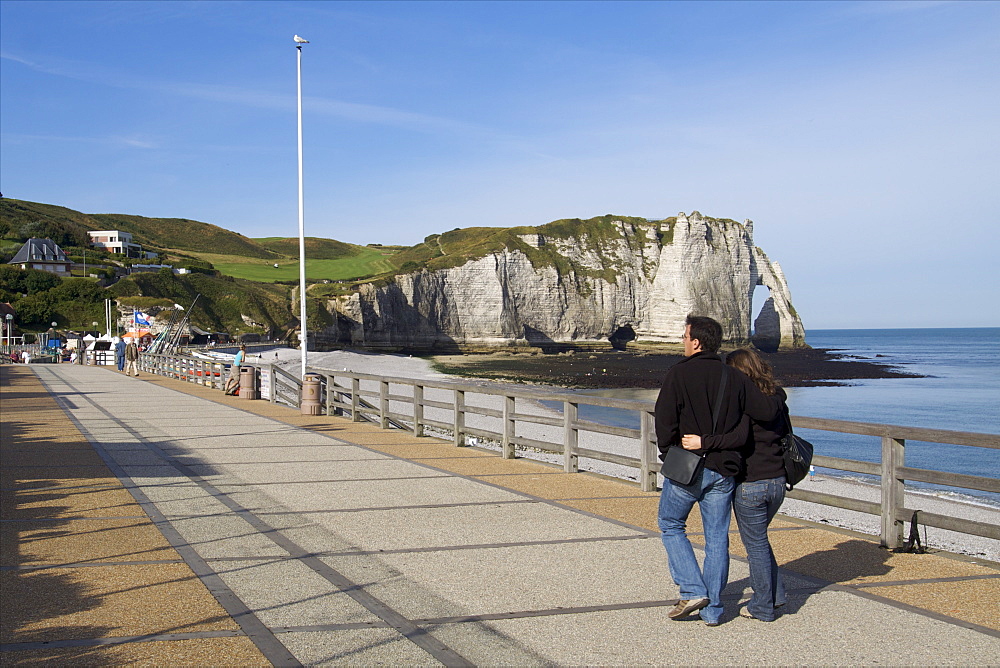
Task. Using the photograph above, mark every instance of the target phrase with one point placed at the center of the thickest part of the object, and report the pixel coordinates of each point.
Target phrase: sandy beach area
(403, 366)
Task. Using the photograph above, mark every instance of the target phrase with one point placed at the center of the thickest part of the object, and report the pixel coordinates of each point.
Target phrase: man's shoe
(746, 614)
(711, 623)
(686, 607)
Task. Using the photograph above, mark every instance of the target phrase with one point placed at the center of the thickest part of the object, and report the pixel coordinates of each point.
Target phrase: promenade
(150, 521)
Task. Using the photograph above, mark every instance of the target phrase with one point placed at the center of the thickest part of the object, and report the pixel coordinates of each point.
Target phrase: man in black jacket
(685, 406)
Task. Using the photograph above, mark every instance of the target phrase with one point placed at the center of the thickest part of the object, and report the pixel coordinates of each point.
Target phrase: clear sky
(861, 138)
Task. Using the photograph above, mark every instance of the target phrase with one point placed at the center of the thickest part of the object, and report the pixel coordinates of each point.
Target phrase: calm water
(961, 393)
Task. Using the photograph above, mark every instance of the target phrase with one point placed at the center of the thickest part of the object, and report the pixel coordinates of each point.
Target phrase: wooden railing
(211, 373)
(467, 413)
(389, 406)
(284, 388)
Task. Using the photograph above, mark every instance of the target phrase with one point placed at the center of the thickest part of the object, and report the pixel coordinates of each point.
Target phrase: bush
(26, 281)
(35, 310)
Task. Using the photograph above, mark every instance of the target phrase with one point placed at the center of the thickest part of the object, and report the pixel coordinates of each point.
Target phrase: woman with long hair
(761, 489)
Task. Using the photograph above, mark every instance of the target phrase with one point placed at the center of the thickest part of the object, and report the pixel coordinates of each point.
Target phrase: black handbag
(798, 454)
(682, 466)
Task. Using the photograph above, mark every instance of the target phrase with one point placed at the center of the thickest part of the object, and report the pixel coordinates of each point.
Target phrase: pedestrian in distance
(120, 354)
(760, 488)
(132, 359)
(685, 405)
(233, 382)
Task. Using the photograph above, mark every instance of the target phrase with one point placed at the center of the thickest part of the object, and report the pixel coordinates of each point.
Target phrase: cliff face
(617, 278)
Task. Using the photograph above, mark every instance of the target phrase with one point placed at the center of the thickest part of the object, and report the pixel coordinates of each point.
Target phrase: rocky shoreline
(804, 367)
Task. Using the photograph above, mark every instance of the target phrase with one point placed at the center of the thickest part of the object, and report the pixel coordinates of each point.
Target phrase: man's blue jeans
(755, 504)
(713, 492)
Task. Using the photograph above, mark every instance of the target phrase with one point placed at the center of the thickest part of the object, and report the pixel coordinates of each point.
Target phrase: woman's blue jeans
(755, 504)
(713, 492)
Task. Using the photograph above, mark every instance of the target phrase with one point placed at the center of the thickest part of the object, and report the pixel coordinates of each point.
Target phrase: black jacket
(760, 445)
(686, 400)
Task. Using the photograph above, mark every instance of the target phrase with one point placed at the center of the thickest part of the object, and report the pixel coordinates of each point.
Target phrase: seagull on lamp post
(299, 40)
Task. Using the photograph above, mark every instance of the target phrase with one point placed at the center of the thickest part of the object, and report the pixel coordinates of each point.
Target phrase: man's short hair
(707, 331)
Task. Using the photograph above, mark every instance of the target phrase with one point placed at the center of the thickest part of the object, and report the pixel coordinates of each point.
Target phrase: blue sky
(861, 138)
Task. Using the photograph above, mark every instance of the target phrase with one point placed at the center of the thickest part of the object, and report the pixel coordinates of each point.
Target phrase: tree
(35, 310)
(40, 281)
(26, 281)
(79, 290)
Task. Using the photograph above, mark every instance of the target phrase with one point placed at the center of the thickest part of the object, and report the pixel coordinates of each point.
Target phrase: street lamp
(303, 338)
(10, 328)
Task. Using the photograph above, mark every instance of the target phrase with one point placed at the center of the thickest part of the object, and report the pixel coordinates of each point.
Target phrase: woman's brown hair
(757, 369)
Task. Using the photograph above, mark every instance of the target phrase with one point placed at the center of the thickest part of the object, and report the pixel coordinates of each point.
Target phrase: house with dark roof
(43, 254)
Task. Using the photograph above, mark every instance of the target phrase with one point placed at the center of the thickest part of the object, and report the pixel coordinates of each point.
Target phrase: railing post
(893, 491)
(383, 404)
(418, 410)
(647, 450)
(507, 444)
(571, 437)
(330, 386)
(459, 421)
(355, 399)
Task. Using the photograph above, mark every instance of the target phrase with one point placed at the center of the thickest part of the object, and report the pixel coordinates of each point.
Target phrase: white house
(116, 241)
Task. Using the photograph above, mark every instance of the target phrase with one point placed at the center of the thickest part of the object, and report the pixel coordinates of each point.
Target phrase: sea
(959, 391)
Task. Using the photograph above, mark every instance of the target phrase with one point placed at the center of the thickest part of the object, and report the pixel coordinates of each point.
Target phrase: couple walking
(127, 357)
(742, 468)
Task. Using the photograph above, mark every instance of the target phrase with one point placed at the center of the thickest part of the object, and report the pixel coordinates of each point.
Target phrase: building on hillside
(149, 268)
(43, 254)
(116, 241)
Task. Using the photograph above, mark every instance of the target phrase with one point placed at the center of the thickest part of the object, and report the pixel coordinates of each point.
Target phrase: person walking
(685, 405)
(761, 489)
(131, 359)
(120, 354)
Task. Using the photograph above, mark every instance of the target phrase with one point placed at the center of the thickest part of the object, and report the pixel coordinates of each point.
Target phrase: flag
(139, 318)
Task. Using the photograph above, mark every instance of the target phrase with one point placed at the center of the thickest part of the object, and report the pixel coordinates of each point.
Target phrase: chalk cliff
(576, 281)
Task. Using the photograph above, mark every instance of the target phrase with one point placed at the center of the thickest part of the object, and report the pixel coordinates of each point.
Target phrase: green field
(368, 262)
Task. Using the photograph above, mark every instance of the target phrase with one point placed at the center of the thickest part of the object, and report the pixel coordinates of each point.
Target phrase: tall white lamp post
(303, 337)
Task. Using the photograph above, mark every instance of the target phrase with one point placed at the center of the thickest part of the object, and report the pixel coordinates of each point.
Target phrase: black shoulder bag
(797, 453)
(682, 466)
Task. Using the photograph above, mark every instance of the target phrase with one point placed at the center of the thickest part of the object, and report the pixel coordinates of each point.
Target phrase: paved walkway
(155, 522)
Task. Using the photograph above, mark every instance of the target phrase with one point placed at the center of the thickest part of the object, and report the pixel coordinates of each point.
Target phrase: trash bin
(311, 389)
(248, 382)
